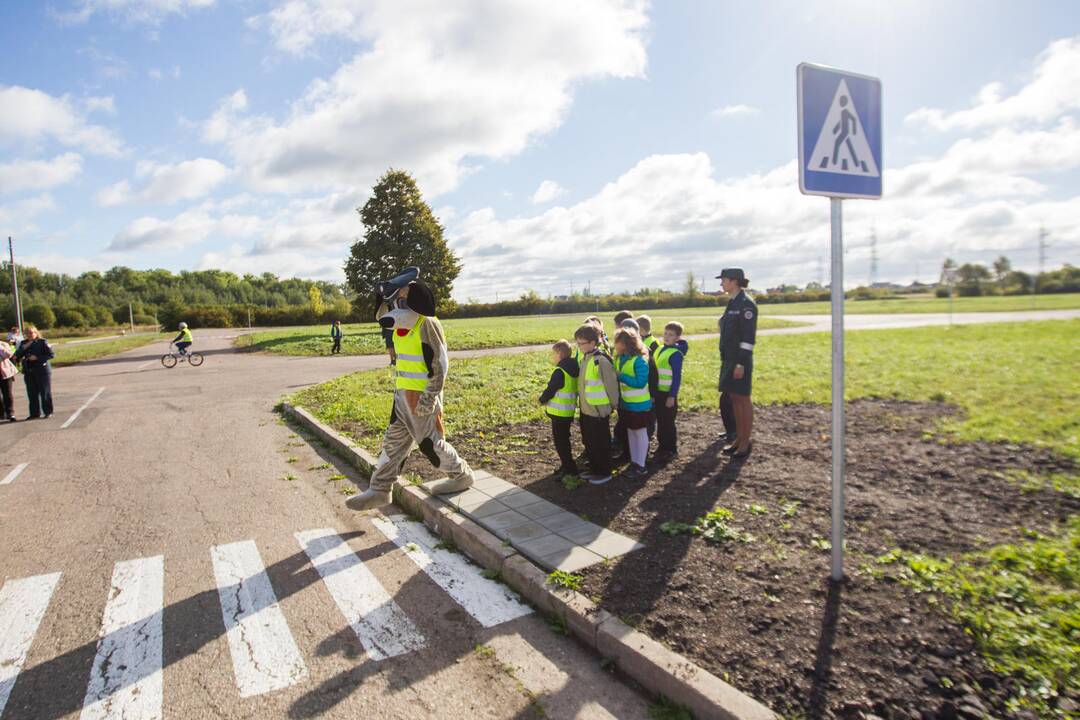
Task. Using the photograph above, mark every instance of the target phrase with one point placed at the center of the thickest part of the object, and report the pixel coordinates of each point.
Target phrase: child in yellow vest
(560, 400)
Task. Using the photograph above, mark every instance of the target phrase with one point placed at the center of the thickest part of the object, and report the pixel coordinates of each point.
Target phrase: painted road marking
(84, 406)
(381, 625)
(264, 653)
(486, 600)
(22, 605)
(10, 477)
(125, 683)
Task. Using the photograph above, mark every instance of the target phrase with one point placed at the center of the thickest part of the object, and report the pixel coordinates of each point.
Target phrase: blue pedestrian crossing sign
(839, 133)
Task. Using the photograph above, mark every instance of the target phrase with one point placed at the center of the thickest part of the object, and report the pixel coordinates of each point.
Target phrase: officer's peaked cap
(732, 274)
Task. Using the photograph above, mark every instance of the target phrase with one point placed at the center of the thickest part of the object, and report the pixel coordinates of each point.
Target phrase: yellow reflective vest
(412, 371)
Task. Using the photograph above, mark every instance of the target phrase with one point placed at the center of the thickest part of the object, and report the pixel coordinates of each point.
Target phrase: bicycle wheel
(168, 360)
(195, 359)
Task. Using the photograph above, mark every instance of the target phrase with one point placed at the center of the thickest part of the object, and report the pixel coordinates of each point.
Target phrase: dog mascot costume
(407, 307)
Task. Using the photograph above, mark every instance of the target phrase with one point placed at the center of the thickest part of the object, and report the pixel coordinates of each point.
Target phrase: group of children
(634, 374)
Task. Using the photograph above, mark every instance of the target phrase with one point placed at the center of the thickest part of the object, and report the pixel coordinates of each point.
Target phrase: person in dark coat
(35, 353)
(738, 328)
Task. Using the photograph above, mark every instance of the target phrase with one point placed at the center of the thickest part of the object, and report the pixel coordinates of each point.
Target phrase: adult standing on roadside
(738, 328)
(335, 335)
(8, 371)
(35, 353)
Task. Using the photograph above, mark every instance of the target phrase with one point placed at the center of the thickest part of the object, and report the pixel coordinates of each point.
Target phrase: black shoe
(744, 454)
(621, 459)
(12, 418)
(730, 437)
(663, 456)
(730, 448)
(48, 415)
(33, 417)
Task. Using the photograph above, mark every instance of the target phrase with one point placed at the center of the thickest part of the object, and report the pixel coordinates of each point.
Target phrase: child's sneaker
(593, 479)
(634, 472)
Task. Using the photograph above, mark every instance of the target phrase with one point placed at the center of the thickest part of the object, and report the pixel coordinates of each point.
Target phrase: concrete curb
(654, 667)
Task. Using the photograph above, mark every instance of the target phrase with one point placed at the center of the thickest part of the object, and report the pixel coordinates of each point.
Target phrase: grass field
(1011, 303)
(74, 354)
(466, 334)
(1016, 382)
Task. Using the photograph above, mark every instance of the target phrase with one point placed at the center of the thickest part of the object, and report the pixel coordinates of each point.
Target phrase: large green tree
(400, 230)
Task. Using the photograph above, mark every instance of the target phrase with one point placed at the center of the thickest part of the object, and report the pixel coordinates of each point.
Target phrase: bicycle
(169, 360)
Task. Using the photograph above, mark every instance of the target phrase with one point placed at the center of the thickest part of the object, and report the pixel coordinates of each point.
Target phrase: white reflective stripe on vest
(746, 346)
(601, 395)
(412, 375)
(561, 406)
(565, 395)
(635, 394)
(410, 358)
(665, 371)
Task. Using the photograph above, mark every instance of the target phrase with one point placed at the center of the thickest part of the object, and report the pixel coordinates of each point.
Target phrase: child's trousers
(666, 435)
(596, 437)
(560, 435)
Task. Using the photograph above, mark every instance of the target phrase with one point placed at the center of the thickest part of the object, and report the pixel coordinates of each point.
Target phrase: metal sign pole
(837, 288)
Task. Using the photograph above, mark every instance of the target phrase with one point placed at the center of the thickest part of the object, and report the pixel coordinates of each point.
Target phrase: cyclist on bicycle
(183, 340)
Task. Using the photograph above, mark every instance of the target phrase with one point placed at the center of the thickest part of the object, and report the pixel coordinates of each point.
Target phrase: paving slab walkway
(554, 538)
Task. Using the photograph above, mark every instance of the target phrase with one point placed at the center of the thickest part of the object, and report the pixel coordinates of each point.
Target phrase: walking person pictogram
(847, 127)
(842, 145)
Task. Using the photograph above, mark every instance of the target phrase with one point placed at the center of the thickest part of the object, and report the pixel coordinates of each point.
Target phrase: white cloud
(18, 218)
(548, 191)
(1052, 91)
(149, 233)
(28, 115)
(39, 174)
(735, 110)
(433, 90)
(165, 183)
(149, 12)
(100, 104)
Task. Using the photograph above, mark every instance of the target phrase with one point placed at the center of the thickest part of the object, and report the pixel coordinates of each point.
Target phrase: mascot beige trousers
(407, 430)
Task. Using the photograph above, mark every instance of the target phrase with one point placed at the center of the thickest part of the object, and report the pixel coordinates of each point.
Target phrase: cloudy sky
(614, 142)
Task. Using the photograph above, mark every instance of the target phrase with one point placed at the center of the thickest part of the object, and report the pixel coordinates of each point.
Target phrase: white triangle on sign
(841, 146)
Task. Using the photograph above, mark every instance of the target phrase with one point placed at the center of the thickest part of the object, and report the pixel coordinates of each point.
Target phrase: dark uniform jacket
(40, 348)
(738, 327)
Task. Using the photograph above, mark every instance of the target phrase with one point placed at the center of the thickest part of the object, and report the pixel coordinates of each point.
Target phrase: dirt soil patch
(761, 614)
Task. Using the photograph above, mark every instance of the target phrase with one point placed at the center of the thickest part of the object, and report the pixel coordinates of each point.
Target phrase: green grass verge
(74, 354)
(1010, 303)
(468, 334)
(1021, 604)
(1017, 382)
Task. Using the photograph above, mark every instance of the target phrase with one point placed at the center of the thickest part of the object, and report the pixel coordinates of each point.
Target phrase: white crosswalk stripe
(127, 677)
(487, 601)
(125, 683)
(381, 625)
(22, 606)
(264, 653)
(15, 471)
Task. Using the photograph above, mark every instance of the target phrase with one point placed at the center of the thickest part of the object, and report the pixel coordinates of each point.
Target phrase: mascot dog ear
(421, 299)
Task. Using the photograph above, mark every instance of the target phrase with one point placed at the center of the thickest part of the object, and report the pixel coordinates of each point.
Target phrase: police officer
(738, 326)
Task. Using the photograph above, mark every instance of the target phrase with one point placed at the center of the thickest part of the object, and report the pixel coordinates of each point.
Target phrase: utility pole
(15, 283)
(873, 257)
(131, 318)
(1043, 234)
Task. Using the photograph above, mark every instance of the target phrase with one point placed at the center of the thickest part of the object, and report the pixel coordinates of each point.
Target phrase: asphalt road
(157, 561)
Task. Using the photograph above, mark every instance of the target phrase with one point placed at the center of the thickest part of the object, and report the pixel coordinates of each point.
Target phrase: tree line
(211, 298)
(976, 279)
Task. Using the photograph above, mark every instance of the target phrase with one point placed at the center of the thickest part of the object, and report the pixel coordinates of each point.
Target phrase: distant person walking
(335, 335)
(35, 353)
(738, 328)
(8, 371)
